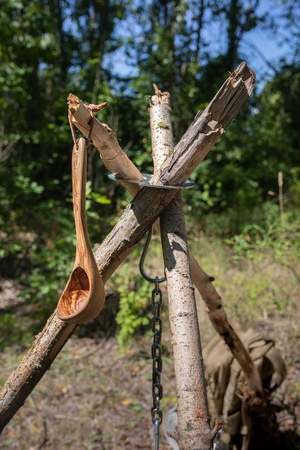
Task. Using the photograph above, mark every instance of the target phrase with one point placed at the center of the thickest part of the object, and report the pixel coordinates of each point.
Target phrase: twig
(280, 184)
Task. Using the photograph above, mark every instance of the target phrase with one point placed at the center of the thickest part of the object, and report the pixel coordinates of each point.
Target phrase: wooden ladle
(84, 296)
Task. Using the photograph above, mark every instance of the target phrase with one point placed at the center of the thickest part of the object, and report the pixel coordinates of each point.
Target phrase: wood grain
(84, 296)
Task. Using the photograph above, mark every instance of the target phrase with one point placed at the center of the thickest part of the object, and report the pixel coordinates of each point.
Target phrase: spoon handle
(79, 167)
(84, 295)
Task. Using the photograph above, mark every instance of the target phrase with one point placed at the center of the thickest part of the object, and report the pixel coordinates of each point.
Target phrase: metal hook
(155, 280)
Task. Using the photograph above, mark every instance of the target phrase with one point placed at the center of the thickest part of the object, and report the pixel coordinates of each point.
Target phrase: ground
(93, 397)
(96, 397)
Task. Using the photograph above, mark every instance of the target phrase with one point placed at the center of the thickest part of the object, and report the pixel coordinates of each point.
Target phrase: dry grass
(96, 398)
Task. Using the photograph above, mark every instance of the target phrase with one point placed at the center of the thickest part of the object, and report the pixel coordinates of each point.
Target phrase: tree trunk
(233, 33)
(102, 36)
(199, 30)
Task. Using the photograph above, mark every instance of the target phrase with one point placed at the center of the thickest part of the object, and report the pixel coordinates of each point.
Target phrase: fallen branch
(138, 216)
(219, 320)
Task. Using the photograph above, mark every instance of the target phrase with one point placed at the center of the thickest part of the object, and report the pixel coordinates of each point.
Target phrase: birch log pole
(137, 218)
(122, 167)
(193, 431)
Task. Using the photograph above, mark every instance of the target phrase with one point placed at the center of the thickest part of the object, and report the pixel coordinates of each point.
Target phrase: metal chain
(156, 349)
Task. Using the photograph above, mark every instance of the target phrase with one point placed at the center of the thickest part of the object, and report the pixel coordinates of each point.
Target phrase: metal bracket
(145, 182)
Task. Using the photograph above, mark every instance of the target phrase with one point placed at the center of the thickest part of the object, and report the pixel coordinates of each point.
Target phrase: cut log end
(246, 74)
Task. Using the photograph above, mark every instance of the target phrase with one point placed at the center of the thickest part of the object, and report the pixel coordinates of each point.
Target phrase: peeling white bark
(193, 430)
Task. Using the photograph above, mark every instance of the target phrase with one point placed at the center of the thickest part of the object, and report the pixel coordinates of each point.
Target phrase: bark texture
(193, 430)
(208, 126)
(138, 216)
(104, 139)
(161, 128)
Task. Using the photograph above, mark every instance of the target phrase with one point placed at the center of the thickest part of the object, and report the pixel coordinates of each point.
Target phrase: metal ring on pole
(145, 182)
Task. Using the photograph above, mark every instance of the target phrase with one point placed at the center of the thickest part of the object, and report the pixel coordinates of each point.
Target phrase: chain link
(156, 349)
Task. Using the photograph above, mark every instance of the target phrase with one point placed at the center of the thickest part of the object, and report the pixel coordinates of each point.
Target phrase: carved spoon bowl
(84, 295)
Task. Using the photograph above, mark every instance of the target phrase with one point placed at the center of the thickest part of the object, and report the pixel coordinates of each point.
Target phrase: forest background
(113, 50)
(110, 50)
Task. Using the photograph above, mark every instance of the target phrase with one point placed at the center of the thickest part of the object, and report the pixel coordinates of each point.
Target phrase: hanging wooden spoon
(84, 296)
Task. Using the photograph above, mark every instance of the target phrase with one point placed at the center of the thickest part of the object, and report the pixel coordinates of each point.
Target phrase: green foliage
(276, 243)
(51, 265)
(273, 253)
(51, 48)
(16, 331)
(253, 285)
(134, 304)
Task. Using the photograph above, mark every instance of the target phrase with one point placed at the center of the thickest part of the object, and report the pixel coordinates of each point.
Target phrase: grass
(102, 401)
(251, 289)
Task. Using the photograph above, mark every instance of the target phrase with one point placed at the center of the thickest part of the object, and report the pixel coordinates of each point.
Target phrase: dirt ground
(95, 397)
